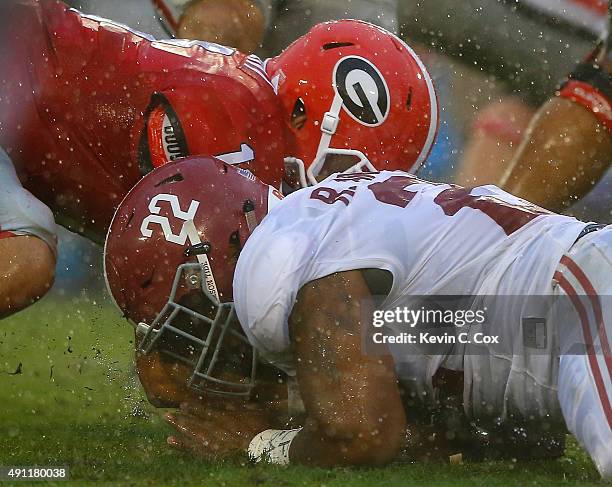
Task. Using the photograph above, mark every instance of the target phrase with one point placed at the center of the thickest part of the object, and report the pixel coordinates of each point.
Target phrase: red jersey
(88, 106)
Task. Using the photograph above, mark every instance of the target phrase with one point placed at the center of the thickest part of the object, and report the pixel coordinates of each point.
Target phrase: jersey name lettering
(510, 216)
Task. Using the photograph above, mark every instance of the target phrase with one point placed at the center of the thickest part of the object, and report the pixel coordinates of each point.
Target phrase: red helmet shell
(236, 120)
(389, 109)
(150, 231)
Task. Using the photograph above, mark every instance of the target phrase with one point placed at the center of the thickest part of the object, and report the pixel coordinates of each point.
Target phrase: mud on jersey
(435, 239)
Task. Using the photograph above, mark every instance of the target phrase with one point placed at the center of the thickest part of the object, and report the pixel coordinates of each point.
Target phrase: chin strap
(305, 177)
(248, 208)
(329, 125)
(202, 257)
(294, 168)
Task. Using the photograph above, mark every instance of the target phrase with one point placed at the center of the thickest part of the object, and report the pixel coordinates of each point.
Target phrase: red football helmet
(169, 261)
(351, 88)
(241, 127)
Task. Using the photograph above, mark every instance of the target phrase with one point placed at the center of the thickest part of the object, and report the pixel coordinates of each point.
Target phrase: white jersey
(20, 212)
(435, 239)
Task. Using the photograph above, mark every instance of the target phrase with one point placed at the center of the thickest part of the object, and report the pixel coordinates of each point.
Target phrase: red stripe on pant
(586, 331)
(584, 281)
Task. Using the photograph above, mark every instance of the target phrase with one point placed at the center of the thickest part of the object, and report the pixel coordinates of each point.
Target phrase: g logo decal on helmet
(363, 90)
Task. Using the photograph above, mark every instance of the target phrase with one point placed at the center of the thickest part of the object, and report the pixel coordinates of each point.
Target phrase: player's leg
(584, 327)
(27, 243)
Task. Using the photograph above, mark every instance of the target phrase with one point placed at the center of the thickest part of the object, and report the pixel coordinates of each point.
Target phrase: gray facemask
(199, 352)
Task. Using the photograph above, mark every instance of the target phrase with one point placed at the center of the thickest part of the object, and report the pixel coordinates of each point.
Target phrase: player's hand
(211, 432)
(235, 23)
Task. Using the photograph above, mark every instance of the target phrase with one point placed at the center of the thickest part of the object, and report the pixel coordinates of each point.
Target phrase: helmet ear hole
(298, 115)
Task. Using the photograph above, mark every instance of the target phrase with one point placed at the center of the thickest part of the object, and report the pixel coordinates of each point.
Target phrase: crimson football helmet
(351, 88)
(169, 261)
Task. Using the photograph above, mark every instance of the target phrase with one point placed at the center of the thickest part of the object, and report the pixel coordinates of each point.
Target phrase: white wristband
(272, 446)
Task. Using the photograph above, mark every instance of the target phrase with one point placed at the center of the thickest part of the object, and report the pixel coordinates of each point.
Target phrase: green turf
(76, 403)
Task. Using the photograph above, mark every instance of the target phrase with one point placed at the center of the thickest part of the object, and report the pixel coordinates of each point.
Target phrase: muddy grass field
(68, 397)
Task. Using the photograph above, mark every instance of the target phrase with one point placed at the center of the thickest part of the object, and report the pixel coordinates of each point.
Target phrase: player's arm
(354, 412)
(565, 152)
(568, 144)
